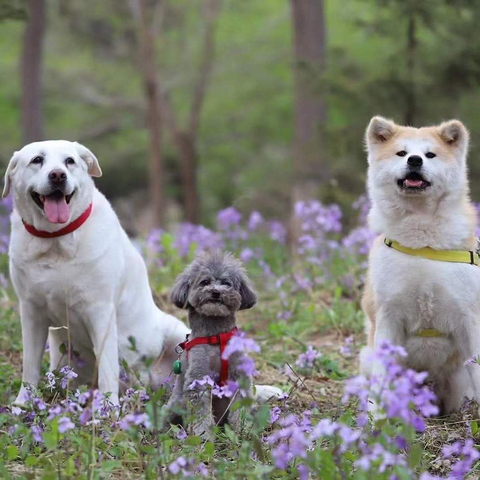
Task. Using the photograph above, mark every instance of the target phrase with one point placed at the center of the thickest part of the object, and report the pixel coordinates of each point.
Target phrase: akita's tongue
(413, 183)
(56, 209)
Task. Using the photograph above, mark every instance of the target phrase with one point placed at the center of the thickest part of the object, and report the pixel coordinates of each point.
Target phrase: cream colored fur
(405, 294)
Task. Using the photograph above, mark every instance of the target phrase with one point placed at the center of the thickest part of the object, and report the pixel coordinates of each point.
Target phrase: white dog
(77, 276)
(423, 292)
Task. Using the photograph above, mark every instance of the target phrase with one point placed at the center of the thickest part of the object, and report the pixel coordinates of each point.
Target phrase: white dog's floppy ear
(12, 166)
(454, 134)
(90, 159)
(379, 130)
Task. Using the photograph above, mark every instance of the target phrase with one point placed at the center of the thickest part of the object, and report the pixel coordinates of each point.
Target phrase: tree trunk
(411, 101)
(309, 42)
(154, 120)
(189, 159)
(186, 138)
(31, 73)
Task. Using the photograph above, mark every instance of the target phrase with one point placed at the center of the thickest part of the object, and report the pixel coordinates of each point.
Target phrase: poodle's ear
(179, 293)
(248, 295)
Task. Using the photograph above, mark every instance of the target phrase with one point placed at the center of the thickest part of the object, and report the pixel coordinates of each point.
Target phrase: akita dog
(423, 284)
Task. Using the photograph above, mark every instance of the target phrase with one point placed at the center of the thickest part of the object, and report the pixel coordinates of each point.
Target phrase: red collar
(221, 339)
(71, 227)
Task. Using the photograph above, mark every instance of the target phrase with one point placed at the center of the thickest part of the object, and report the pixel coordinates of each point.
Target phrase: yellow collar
(456, 256)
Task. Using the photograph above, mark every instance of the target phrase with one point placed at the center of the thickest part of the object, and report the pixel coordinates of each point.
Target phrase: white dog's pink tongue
(413, 183)
(56, 209)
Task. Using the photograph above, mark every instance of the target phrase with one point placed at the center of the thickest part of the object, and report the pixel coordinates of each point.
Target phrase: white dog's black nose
(57, 176)
(415, 161)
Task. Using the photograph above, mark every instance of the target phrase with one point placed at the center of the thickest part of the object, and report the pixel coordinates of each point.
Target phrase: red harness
(71, 227)
(221, 339)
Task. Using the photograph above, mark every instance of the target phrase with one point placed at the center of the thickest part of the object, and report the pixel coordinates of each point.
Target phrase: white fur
(413, 293)
(92, 281)
(89, 287)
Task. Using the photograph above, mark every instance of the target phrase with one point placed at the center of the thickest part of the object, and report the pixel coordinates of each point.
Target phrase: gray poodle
(213, 288)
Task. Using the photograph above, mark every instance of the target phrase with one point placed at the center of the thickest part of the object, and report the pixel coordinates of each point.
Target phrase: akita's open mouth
(413, 182)
(55, 205)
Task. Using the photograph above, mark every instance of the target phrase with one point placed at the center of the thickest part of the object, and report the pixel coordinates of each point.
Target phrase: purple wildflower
(205, 380)
(36, 432)
(240, 343)
(134, 419)
(255, 220)
(64, 424)
(467, 453)
(228, 217)
(67, 374)
(307, 359)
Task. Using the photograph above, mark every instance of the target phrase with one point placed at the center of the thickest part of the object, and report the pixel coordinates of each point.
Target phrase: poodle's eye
(37, 160)
(401, 153)
(69, 161)
(204, 283)
(430, 155)
(227, 283)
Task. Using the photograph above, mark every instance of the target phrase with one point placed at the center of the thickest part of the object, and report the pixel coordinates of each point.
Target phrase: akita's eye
(430, 155)
(401, 153)
(37, 160)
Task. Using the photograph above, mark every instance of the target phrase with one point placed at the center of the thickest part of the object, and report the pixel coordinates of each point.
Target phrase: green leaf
(209, 449)
(415, 455)
(474, 427)
(109, 465)
(70, 467)
(12, 452)
(31, 461)
(133, 343)
(262, 417)
(50, 439)
(194, 440)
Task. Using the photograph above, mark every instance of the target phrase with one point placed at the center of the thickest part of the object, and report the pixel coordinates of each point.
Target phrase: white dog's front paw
(265, 393)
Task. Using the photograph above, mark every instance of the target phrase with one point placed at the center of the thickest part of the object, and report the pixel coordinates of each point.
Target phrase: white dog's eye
(430, 155)
(37, 160)
(69, 161)
(401, 153)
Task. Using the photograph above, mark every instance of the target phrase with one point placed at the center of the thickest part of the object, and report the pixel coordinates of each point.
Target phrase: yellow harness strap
(429, 333)
(456, 256)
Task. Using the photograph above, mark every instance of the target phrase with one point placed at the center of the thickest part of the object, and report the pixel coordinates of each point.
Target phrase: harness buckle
(179, 349)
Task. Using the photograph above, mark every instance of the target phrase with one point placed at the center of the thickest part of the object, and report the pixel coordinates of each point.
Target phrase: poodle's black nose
(415, 161)
(215, 294)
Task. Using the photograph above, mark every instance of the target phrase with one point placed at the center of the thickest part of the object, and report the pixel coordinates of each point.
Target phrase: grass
(291, 315)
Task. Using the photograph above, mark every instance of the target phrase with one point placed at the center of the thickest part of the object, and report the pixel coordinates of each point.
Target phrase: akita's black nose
(415, 161)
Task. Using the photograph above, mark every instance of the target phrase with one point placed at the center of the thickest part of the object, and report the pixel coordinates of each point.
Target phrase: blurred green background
(241, 66)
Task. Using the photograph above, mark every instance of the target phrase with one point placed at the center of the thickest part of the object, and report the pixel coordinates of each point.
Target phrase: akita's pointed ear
(454, 133)
(379, 130)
